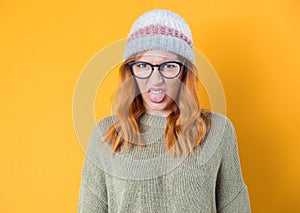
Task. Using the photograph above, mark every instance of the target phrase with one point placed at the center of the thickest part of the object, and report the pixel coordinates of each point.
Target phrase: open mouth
(156, 95)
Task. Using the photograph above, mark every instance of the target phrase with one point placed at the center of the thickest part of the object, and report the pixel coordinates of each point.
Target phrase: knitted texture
(160, 30)
(209, 181)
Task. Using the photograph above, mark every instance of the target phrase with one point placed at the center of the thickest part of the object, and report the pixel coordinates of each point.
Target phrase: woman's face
(158, 93)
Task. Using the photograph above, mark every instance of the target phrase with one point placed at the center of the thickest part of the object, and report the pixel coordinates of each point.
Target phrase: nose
(156, 77)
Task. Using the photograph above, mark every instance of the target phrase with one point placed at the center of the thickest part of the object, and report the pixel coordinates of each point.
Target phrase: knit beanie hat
(160, 30)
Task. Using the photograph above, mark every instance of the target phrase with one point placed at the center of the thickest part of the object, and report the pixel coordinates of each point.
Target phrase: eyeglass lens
(167, 69)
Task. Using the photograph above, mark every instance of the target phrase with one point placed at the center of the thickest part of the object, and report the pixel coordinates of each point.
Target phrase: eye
(169, 66)
(141, 65)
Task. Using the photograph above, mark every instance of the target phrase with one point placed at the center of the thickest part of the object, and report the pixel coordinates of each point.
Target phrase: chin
(162, 107)
(157, 107)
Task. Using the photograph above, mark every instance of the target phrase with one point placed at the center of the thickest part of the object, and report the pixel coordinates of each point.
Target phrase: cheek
(173, 90)
(141, 84)
(174, 87)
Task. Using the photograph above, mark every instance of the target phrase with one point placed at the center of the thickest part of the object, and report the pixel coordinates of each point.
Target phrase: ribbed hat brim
(159, 42)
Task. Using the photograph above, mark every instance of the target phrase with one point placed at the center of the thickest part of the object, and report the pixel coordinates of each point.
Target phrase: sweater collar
(153, 120)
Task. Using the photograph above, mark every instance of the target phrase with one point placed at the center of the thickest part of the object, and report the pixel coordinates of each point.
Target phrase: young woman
(160, 151)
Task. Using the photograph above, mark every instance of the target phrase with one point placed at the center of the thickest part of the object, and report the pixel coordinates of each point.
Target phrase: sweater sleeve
(231, 191)
(92, 193)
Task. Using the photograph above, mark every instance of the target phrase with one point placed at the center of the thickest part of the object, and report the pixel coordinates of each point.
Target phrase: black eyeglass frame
(130, 64)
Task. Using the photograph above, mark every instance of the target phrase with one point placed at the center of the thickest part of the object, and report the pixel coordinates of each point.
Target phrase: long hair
(186, 126)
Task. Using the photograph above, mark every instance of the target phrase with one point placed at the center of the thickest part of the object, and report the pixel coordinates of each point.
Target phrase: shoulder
(224, 132)
(220, 134)
(220, 123)
(224, 127)
(98, 135)
(103, 125)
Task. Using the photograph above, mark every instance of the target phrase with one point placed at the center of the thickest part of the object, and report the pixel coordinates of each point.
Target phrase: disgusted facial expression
(158, 93)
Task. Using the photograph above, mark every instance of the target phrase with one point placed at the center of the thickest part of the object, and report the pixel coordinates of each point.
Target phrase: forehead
(158, 55)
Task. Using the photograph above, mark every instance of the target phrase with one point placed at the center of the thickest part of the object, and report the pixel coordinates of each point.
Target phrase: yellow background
(253, 45)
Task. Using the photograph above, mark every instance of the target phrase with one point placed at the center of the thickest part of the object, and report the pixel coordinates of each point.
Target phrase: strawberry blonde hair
(186, 126)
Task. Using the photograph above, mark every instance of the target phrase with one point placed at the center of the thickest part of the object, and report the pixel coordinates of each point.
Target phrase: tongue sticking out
(156, 96)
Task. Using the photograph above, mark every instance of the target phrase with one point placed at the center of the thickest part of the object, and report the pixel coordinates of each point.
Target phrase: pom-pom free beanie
(160, 30)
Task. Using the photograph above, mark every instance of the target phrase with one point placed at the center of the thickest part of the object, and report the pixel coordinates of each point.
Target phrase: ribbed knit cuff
(153, 120)
(158, 42)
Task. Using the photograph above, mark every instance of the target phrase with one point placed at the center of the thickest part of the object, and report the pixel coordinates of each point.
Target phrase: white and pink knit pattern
(159, 30)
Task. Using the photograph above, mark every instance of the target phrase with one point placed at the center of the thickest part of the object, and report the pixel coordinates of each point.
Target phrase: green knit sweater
(148, 179)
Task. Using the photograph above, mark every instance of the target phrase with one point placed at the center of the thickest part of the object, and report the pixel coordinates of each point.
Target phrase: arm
(231, 191)
(92, 194)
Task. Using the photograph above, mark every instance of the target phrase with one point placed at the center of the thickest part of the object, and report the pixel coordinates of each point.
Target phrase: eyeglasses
(143, 70)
